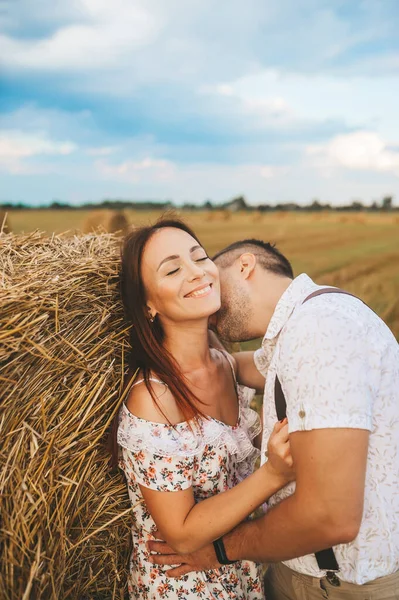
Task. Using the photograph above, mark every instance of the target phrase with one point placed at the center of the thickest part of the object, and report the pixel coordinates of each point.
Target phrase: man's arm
(326, 507)
(247, 373)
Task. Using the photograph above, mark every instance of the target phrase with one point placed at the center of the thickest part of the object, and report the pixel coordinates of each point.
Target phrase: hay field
(356, 251)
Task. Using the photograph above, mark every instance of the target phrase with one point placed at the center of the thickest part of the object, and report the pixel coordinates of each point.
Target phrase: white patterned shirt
(338, 364)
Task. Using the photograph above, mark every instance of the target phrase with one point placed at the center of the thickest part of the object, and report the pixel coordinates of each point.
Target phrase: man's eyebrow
(174, 256)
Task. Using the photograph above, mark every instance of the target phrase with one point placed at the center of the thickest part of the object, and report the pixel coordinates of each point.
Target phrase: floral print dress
(211, 458)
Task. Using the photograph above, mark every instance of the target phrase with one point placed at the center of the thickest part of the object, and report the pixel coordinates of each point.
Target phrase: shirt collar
(296, 292)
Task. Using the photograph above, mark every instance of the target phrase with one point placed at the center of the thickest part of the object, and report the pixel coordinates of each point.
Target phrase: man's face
(234, 317)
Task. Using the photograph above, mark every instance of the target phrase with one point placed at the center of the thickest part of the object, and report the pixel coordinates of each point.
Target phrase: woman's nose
(196, 271)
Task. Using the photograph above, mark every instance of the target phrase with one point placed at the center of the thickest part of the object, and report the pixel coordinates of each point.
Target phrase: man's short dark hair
(267, 256)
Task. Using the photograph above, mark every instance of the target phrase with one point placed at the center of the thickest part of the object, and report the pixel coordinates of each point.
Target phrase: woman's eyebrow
(174, 256)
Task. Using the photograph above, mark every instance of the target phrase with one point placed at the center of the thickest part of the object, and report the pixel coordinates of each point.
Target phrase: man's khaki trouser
(282, 583)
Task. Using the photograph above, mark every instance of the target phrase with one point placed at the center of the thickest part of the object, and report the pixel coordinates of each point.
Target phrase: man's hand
(202, 560)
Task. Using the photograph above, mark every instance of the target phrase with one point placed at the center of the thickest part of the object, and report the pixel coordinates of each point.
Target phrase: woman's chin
(204, 312)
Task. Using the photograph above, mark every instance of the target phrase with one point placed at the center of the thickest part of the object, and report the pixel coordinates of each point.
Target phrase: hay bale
(5, 225)
(106, 221)
(65, 519)
(257, 216)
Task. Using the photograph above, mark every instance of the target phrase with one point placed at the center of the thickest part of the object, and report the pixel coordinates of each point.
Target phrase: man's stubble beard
(234, 317)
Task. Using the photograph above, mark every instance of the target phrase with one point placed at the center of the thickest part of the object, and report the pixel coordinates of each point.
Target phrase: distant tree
(316, 205)
(357, 205)
(387, 203)
(374, 206)
(238, 203)
(208, 205)
(57, 205)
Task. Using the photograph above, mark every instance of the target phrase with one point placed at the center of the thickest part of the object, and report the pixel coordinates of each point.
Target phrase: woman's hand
(280, 463)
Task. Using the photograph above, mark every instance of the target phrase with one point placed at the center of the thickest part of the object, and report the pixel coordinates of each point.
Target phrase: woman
(185, 431)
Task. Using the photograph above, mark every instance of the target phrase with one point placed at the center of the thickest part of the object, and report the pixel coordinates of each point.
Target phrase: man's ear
(247, 264)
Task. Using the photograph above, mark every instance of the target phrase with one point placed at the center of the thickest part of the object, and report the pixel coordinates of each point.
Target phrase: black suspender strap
(279, 400)
(325, 558)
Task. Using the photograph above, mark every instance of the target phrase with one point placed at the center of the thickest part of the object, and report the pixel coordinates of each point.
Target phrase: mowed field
(358, 252)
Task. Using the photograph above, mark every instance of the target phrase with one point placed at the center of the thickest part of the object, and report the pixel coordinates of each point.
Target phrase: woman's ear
(152, 313)
(247, 262)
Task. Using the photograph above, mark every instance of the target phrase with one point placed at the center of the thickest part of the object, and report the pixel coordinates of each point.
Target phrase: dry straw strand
(65, 518)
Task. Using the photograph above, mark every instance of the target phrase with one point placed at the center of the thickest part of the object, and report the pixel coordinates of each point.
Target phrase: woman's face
(181, 282)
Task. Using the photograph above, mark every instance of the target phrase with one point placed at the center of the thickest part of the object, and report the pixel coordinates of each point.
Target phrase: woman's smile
(199, 292)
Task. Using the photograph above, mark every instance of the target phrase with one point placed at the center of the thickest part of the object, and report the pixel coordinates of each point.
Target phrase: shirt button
(302, 414)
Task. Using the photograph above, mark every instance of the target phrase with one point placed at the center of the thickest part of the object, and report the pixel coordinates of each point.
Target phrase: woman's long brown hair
(147, 352)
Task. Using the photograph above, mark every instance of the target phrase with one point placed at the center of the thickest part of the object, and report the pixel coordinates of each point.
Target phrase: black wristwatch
(221, 552)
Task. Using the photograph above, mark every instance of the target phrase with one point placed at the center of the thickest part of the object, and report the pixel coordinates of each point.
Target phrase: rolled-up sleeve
(325, 378)
(261, 362)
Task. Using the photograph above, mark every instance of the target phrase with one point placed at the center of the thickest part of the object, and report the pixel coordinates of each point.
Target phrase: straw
(65, 518)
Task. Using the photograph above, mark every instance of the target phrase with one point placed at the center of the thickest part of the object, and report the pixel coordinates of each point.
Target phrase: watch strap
(220, 551)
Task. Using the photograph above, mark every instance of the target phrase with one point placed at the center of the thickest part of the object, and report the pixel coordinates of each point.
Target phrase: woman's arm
(188, 526)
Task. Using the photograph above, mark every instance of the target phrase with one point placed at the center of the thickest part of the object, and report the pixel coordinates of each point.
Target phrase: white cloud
(285, 100)
(186, 179)
(272, 171)
(101, 151)
(105, 32)
(362, 150)
(154, 40)
(147, 169)
(15, 146)
(253, 94)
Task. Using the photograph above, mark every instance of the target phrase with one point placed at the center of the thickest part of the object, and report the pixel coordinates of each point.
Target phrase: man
(338, 367)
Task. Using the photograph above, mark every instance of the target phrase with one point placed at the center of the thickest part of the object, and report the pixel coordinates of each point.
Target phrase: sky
(277, 100)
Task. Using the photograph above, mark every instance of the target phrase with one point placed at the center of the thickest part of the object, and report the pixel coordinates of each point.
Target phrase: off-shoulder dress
(211, 458)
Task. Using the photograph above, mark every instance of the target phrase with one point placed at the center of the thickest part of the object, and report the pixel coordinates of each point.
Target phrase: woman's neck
(189, 346)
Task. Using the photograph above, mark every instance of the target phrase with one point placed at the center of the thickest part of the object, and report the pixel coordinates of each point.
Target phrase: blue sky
(280, 100)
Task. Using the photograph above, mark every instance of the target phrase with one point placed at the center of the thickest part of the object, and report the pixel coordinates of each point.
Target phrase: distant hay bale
(359, 219)
(106, 221)
(65, 519)
(257, 216)
(5, 225)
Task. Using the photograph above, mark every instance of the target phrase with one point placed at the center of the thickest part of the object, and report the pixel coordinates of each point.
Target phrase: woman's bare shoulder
(141, 403)
(223, 357)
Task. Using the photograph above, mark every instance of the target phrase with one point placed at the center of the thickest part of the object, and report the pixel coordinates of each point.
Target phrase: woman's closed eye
(178, 268)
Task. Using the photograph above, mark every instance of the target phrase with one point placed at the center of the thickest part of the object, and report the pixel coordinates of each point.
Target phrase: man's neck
(269, 289)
